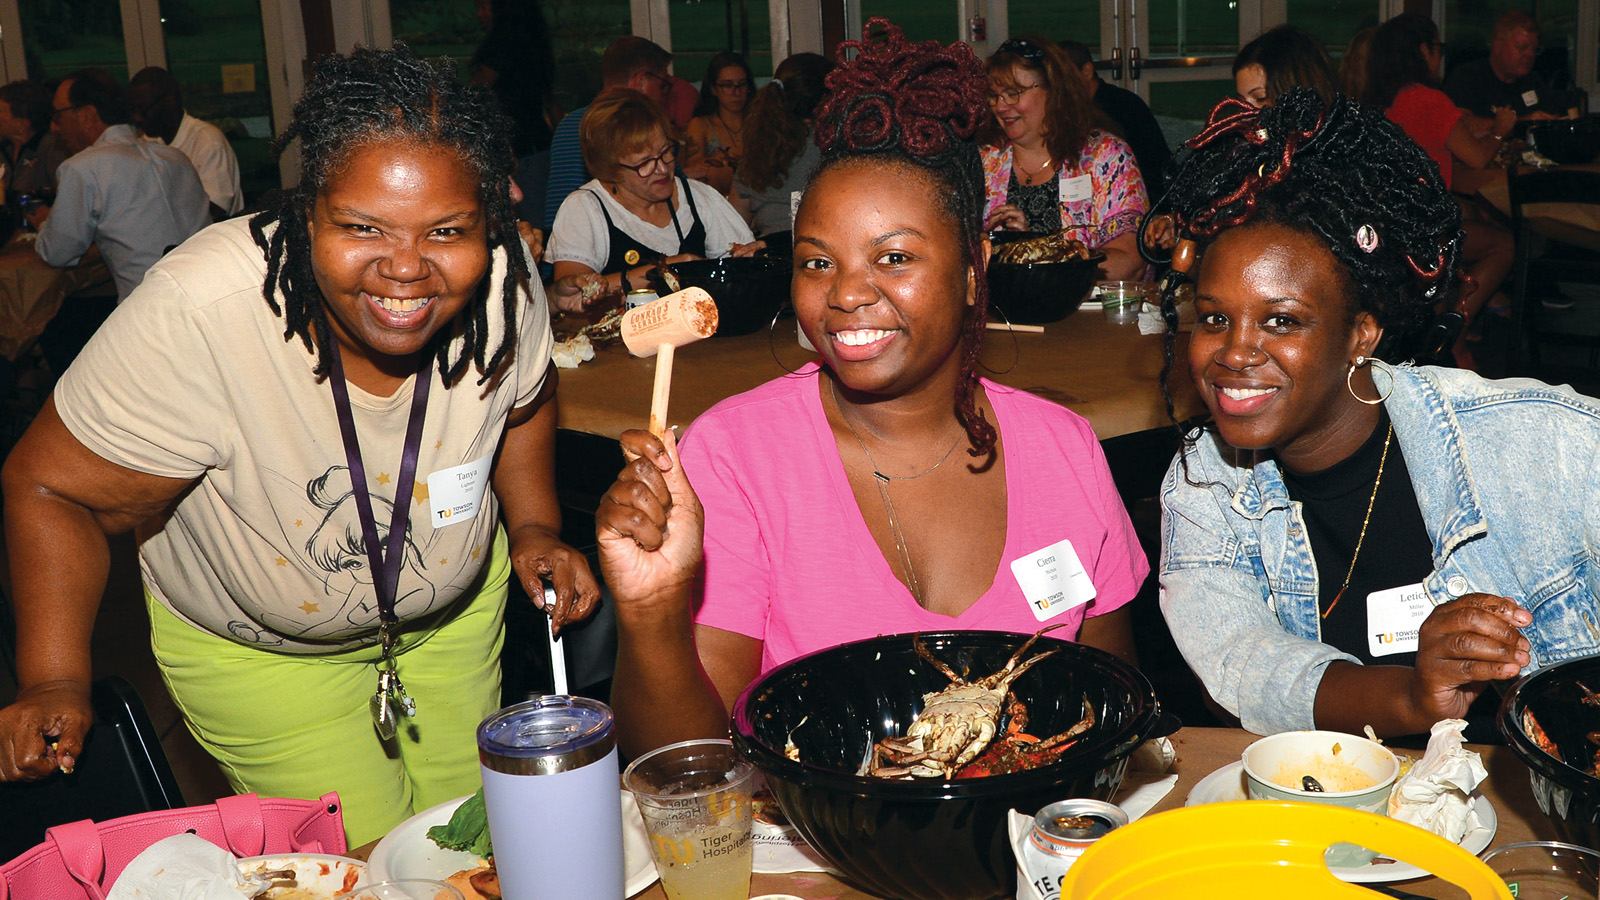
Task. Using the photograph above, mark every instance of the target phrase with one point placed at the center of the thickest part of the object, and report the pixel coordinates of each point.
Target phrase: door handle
(1135, 65)
(1116, 63)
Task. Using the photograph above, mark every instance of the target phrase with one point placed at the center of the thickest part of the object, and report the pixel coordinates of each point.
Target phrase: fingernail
(67, 762)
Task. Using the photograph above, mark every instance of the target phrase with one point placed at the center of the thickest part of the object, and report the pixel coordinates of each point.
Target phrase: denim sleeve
(1217, 602)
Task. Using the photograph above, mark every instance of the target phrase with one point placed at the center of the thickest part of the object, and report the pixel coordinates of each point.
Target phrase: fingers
(576, 591)
(1474, 638)
(638, 443)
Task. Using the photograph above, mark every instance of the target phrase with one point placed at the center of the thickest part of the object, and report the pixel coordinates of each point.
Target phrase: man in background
(1506, 78)
(157, 103)
(30, 150)
(1132, 116)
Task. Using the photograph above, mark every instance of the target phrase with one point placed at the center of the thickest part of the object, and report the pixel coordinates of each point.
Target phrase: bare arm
(525, 484)
(61, 501)
(1123, 262)
(638, 276)
(1476, 152)
(1113, 633)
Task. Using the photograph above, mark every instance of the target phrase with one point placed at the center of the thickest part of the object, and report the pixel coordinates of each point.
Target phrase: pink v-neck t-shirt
(788, 557)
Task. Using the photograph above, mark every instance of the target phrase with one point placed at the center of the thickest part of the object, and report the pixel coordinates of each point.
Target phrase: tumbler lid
(550, 734)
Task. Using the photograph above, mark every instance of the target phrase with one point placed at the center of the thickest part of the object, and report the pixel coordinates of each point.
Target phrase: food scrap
(467, 830)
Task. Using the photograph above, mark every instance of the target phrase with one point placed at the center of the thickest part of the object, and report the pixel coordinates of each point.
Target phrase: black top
(1040, 203)
(1139, 129)
(627, 252)
(1475, 87)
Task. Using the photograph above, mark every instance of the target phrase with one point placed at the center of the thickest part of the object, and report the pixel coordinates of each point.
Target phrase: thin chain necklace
(883, 492)
(1030, 175)
(734, 133)
(1388, 436)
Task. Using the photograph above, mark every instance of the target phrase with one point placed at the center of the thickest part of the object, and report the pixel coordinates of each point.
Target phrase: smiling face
(399, 246)
(1251, 82)
(880, 286)
(1021, 119)
(1274, 341)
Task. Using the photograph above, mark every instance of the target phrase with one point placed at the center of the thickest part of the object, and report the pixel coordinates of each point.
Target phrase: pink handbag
(81, 860)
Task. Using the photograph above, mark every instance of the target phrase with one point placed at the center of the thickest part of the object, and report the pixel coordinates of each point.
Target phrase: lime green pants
(284, 725)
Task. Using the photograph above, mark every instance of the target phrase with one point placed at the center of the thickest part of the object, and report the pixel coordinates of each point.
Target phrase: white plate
(315, 873)
(406, 851)
(1227, 783)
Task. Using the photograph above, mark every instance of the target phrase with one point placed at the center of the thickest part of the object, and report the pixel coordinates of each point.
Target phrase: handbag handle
(83, 855)
(243, 826)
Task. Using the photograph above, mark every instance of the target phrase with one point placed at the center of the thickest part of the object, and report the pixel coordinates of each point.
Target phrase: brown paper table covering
(31, 291)
(1571, 223)
(1202, 751)
(1106, 373)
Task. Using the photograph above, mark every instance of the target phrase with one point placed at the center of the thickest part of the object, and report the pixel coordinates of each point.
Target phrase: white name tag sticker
(455, 494)
(1053, 580)
(1394, 617)
(1530, 98)
(1073, 189)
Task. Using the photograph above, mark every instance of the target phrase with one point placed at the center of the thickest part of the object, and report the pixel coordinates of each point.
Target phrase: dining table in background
(1573, 223)
(32, 291)
(1109, 374)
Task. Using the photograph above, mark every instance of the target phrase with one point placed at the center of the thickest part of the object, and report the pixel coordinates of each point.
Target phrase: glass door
(61, 36)
(1176, 54)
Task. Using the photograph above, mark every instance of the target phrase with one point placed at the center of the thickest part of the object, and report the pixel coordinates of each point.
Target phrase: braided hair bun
(919, 104)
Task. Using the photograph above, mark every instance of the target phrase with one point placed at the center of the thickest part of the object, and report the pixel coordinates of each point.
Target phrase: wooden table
(1202, 751)
(1106, 373)
(31, 291)
(1572, 223)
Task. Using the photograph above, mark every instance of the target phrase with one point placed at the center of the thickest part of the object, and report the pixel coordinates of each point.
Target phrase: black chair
(1535, 277)
(121, 771)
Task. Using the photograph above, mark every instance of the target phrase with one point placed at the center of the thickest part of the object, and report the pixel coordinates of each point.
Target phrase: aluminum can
(639, 297)
(1061, 832)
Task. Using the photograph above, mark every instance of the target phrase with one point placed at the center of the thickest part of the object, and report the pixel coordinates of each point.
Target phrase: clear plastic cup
(1546, 870)
(1120, 300)
(405, 889)
(695, 798)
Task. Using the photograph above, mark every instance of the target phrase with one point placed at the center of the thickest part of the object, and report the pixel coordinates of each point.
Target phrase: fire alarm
(977, 29)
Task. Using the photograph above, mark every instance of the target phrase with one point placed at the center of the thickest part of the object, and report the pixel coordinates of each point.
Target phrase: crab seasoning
(1061, 832)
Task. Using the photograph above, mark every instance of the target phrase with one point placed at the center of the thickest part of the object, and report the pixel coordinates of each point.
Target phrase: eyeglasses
(1023, 48)
(1437, 45)
(1010, 95)
(742, 84)
(665, 159)
(55, 114)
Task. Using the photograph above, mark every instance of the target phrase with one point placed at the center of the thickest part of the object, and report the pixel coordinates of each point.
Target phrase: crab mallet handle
(662, 391)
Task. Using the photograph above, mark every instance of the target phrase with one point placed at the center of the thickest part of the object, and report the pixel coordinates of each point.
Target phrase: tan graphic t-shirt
(191, 378)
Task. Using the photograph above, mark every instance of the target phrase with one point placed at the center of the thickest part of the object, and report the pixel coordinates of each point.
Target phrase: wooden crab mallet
(657, 329)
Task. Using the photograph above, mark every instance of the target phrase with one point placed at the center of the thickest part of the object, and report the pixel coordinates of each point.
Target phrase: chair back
(1532, 275)
(121, 771)
(1258, 848)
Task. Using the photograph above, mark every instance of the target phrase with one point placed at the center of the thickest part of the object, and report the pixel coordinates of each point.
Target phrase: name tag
(1053, 580)
(1530, 98)
(1394, 618)
(456, 494)
(1076, 188)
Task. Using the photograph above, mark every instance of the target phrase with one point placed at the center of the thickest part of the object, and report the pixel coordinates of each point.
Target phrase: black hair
(1394, 58)
(375, 97)
(920, 105)
(29, 100)
(707, 104)
(1343, 174)
(96, 88)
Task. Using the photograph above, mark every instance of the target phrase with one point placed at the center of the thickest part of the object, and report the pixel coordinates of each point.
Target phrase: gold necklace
(1389, 436)
(1030, 175)
(883, 493)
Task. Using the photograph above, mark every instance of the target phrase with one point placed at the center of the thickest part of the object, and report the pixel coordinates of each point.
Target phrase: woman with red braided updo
(1349, 542)
(837, 503)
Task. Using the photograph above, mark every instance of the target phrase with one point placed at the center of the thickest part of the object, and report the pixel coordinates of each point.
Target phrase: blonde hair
(620, 122)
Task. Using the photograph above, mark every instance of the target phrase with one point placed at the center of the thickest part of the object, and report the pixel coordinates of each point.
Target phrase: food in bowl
(1054, 247)
(1321, 774)
(1321, 767)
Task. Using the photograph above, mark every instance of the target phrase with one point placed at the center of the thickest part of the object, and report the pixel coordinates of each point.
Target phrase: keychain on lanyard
(390, 702)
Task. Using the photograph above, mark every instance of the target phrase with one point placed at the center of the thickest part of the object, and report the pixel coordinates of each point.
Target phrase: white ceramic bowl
(1355, 773)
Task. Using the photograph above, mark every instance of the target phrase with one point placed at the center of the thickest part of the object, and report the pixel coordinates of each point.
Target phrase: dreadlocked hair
(1342, 173)
(919, 105)
(380, 96)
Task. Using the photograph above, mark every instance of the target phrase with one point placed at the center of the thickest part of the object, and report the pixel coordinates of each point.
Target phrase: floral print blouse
(1115, 201)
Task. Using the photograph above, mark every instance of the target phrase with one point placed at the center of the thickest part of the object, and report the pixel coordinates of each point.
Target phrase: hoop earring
(772, 339)
(1349, 384)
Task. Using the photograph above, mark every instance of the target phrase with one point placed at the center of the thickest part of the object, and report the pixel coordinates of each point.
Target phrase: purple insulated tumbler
(554, 797)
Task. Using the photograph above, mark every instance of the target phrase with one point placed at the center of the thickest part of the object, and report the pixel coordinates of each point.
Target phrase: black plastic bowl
(1565, 793)
(929, 839)
(1567, 141)
(748, 290)
(1040, 293)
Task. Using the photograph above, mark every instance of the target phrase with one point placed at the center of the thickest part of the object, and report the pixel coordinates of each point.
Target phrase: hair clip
(1261, 134)
(1367, 238)
(1024, 48)
(1183, 256)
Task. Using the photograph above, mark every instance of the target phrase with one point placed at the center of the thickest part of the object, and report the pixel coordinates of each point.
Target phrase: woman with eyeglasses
(1403, 80)
(1048, 167)
(638, 211)
(715, 137)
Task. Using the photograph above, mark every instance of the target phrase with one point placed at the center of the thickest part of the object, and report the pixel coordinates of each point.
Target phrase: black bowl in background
(748, 290)
(929, 839)
(1040, 293)
(1564, 791)
(1567, 141)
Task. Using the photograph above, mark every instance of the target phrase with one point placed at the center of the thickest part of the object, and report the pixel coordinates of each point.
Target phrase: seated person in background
(134, 199)
(781, 150)
(1131, 114)
(1279, 60)
(158, 112)
(805, 544)
(1353, 67)
(30, 150)
(1505, 79)
(1048, 168)
(630, 62)
(1402, 77)
(715, 138)
(682, 98)
(1349, 542)
(637, 211)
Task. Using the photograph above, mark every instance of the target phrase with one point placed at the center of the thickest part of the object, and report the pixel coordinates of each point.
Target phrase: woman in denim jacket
(1348, 542)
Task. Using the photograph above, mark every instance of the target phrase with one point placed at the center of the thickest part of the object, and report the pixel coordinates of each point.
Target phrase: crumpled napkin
(181, 867)
(1150, 321)
(569, 353)
(1437, 793)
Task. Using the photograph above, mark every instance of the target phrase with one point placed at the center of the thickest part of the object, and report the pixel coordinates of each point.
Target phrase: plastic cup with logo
(695, 798)
(554, 801)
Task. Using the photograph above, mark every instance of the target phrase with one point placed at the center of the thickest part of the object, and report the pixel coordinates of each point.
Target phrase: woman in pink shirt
(887, 489)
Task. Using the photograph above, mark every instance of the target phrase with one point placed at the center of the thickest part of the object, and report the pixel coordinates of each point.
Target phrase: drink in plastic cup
(1120, 300)
(1546, 870)
(695, 799)
(405, 889)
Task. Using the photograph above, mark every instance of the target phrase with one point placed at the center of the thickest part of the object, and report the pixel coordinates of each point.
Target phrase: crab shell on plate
(318, 876)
